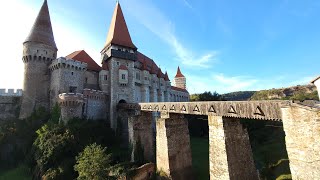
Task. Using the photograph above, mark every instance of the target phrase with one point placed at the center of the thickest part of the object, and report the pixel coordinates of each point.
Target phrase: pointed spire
(166, 77)
(118, 31)
(42, 29)
(179, 74)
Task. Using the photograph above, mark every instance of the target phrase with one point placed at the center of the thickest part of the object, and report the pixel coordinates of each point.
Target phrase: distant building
(316, 82)
(81, 86)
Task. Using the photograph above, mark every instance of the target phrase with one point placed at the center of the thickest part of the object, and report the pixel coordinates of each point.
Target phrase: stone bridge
(229, 146)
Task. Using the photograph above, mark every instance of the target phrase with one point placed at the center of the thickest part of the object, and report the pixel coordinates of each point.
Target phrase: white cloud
(160, 25)
(223, 83)
(187, 4)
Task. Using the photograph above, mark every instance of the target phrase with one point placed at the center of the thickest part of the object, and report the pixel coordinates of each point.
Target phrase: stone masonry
(230, 150)
(302, 128)
(71, 106)
(9, 107)
(173, 147)
(140, 129)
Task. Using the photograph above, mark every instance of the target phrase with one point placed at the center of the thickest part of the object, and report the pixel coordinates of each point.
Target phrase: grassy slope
(200, 157)
(19, 173)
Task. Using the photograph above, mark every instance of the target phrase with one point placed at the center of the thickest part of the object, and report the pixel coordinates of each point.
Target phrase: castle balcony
(123, 55)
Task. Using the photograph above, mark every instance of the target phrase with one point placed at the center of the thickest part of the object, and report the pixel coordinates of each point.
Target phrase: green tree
(55, 114)
(54, 146)
(93, 163)
(206, 96)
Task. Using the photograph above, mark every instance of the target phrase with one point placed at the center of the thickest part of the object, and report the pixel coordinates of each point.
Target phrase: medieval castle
(80, 86)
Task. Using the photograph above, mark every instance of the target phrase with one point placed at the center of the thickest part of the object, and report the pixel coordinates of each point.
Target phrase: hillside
(303, 92)
(300, 92)
(238, 96)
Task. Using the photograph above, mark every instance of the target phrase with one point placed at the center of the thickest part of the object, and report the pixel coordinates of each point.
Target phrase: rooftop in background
(84, 57)
(179, 74)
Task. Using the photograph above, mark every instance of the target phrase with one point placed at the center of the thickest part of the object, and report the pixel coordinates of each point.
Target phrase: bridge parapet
(263, 110)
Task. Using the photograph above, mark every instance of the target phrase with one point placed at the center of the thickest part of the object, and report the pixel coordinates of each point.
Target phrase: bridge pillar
(173, 147)
(302, 127)
(230, 151)
(141, 134)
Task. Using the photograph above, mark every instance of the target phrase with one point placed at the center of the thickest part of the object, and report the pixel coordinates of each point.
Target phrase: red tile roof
(149, 65)
(179, 74)
(179, 89)
(84, 57)
(123, 67)
(118, 31)
(42, 29)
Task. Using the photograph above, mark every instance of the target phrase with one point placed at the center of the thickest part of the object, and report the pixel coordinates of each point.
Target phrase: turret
(71, 106)
(39, 49)
(180, 80)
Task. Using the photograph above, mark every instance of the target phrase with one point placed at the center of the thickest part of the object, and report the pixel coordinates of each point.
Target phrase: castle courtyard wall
(9, 107)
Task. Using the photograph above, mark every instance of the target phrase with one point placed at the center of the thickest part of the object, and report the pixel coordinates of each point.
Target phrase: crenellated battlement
(28, 58)
(10, 92)
(70, 99)
(94, 94)
(62, 62)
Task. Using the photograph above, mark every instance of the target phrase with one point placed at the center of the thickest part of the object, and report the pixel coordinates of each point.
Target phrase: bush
(57, 145)
(93, 163)
(53, 145)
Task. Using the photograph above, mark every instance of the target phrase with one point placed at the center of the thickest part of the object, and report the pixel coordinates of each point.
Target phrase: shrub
(93, 163)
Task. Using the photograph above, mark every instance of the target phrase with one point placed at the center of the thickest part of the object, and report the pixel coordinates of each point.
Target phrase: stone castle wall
(91, 80)
(71, 106)
(11, 92)
(95, 104)
(67, 76)
(180, 82)
(9, 107)
(179, 96)
(36, 58)
(119, 91)
(302, 128)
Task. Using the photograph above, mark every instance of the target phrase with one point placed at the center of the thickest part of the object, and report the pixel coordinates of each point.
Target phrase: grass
(19, 173)
(284, 177)
(200, 157)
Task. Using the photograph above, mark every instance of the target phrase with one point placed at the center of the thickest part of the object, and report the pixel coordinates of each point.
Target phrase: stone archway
(122, 101)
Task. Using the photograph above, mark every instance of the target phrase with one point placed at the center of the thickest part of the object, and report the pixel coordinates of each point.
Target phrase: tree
(93, 163)
(54, 146)
(206, 96)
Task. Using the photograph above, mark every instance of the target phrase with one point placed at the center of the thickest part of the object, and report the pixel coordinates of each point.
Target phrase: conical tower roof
(179, 74)
(118, 31)
(42, 29)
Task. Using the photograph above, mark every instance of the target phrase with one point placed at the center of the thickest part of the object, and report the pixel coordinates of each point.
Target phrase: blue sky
(220, 45)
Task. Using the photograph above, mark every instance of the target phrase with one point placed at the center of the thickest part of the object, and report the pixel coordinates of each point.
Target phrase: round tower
(71, 106)
(180, 80)
(39, 49)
